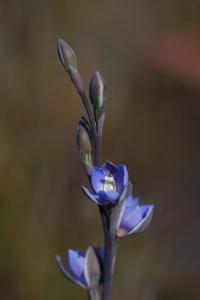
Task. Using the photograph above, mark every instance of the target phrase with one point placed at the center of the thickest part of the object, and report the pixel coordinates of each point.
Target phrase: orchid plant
(110, 189)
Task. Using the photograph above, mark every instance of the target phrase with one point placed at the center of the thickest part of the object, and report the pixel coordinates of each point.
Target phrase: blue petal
(97, 178)
(108, 197)
(121, 178)
(61, 266)
(110, 167)
(76, 262)
(92, 196)
(147, 212)
(102, 197)
(131, 217)
(125, 175)
(130, 203)
(68, 274)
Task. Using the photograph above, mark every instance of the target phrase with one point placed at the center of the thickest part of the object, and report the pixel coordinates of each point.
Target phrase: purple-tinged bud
(98, 94)
(67, 56)
(84, 144)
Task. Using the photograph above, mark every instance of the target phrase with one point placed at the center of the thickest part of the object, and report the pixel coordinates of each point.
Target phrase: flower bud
(84, 143)
(66, 55)
(69, 61)
(98, 94)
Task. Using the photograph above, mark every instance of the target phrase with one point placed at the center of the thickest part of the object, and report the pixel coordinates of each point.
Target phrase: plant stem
(109, 263)
(98, 146)
(89, 113)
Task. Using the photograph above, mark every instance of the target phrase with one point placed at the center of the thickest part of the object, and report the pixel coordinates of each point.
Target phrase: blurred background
(149, 54)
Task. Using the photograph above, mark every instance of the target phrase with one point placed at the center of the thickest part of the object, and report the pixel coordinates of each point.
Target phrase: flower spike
(110, 188)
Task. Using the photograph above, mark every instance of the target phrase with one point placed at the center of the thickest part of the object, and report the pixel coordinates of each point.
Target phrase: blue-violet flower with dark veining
(135, 217)
(108, 183)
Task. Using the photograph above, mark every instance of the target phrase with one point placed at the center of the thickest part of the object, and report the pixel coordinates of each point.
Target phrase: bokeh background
(149, 54)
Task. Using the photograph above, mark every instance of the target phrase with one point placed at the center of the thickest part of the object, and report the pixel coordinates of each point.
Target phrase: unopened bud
(66, 55)
(69, 61)
(98, 94)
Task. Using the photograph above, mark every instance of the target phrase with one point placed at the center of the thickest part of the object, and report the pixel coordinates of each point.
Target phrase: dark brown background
(149, 54)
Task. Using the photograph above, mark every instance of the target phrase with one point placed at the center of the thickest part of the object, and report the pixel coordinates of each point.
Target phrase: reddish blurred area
(148, 52)
(177, 54)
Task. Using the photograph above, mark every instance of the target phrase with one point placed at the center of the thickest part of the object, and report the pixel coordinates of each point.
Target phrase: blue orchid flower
(108, 183)
(135, 217)
(80, 266)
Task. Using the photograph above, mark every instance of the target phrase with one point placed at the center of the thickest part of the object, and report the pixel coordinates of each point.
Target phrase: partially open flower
(135, 217)
(83, 268)
(108, 182)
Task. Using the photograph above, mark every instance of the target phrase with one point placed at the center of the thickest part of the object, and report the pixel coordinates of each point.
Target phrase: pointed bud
(69, 61)
(92, 270)
(66, 55)
(84, 143)
(98, 94)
